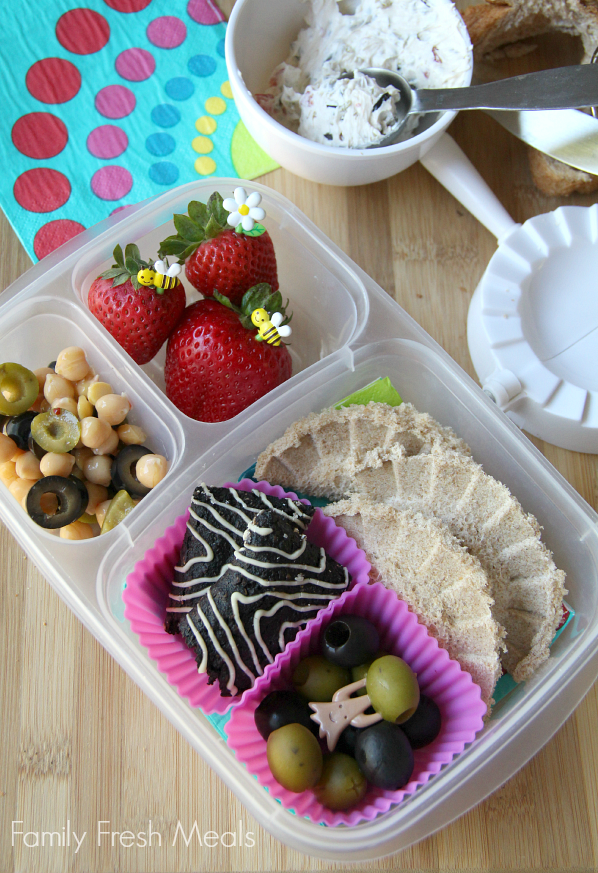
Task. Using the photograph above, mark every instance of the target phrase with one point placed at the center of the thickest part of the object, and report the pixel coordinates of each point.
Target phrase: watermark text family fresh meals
(105, 835)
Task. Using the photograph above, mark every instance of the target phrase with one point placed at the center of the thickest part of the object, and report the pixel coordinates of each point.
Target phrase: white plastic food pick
(532, 326)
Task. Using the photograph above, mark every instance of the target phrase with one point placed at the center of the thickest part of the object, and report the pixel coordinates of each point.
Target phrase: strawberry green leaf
(217, 210)
(112, 272)
(198, 212)
(225, 301)
(255, 297)
(186, 253)
(274, 303)
(132, 265)
(188, 229)
(117, 254)
(172, 245)
(213, 228)
(120, 280)
(132, 252)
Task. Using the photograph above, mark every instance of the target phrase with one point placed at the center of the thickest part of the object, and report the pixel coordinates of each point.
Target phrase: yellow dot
(243, 210)
(205, 124)
(205, 166)
(226, 90)
(203, 145)
(215, 105)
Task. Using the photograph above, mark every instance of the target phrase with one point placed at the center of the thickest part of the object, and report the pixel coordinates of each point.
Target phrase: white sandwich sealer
(532, 326)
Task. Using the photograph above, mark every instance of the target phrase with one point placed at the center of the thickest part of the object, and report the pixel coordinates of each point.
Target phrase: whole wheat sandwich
(401, 458)
(443, 584)
(316, 453)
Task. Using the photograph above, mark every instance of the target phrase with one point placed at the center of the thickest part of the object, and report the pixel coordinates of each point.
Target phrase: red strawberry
(219, 258)
(215, 365)
(139, 317)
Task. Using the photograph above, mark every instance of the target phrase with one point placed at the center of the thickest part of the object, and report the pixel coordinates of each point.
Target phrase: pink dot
(166, 32)
(42, 190)
(82, 31)
(53, 80)
(135, 65)
(54, 234)
(204, 12)
(107, 141)
(115, 101)
(111, 183)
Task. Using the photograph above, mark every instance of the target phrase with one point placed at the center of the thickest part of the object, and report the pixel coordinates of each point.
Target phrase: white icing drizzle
(204, 649)
(178, 608)
(229, 637)
(230, 685)
(283, 628)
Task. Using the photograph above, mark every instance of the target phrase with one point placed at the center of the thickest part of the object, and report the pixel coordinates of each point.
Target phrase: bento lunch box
(347, 332)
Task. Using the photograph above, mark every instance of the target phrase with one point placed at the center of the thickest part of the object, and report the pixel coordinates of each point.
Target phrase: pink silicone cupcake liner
(148, 587)
(439, 677)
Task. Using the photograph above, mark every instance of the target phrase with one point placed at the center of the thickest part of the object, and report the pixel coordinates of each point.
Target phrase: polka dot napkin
(110, 103)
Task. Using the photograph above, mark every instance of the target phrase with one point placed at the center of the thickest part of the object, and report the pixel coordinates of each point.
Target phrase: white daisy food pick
(244, 210)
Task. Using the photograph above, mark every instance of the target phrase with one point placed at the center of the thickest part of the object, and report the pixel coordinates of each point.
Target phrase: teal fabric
(73, 152)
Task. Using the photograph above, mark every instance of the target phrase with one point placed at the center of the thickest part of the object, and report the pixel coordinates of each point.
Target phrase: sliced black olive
(71, 496)
(18, 428)
(123, 471)
(35, 448)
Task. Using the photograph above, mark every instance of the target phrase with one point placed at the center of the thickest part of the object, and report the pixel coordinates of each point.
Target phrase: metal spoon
(573, 87)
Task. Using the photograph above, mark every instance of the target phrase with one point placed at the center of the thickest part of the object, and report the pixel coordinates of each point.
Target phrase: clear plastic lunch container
(346, 333)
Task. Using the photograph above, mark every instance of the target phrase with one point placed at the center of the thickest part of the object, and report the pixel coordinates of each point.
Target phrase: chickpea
(94, 432)
(97, 469)
(27, 466)
(81, 455)
(65, 403)
(54, 464)
(151, 469)
(57, 387)
(48, 503)
(109, 446)
(8, 448)
(101, 510)
(77, 530)
(84, 407)
(131, 435)
(112, 408)
(97, 494)
(8, 473)
(97, 390)
(20, 488)
(17, 454)
(82, 385)
(72, 364)
(41, 374)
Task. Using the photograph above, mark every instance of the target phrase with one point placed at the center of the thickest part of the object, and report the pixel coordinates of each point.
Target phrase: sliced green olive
(56, 433)
(120, 506)
(18, 389)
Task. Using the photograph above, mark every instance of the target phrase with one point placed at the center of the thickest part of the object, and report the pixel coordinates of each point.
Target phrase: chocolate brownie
(271, 587)
(218, 518)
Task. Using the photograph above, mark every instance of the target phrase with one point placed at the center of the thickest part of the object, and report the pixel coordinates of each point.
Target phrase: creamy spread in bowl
(424, 40)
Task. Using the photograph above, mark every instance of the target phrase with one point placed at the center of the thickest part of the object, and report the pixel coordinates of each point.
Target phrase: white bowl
(258, 38)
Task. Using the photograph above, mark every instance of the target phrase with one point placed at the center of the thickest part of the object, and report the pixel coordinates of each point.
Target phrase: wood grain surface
(80, 743)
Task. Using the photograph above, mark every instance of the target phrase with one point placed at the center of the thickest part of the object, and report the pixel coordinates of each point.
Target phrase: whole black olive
(347, 740)
(71, 497)
(280, 708)
(384, 755)
(122, 471)
(424, 725)
(350, 640)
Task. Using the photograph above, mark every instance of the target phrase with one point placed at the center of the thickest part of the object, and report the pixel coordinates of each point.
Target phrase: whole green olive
(294, 757)
(342, 783)
(392, 688)
(317, 679)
